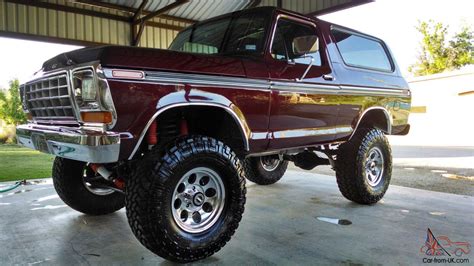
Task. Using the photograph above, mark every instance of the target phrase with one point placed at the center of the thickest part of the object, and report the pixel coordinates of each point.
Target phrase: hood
(148, 59)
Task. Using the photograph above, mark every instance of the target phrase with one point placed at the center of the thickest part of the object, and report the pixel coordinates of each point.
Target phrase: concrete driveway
(286, 223)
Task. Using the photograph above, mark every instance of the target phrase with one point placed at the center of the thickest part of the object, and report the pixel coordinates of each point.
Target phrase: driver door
(304, 103)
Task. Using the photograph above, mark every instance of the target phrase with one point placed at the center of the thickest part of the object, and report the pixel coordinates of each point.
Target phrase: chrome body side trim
(176, 78)
(72, 143)
(259, 135)
(201, 80)
(294, 150)
(196, 79)
(240, 121)
(305, 87)
(308, 132)
(387, 116)
(351, 90)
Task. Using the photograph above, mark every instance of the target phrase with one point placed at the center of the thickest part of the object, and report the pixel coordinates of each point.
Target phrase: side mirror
(303, 45)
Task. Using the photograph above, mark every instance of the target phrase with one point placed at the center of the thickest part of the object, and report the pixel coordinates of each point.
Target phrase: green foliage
(10, 104)
(7, 133)
(438, 55)
(19, 163)
(462, 48)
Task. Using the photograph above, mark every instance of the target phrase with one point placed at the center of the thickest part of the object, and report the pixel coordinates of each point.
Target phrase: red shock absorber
(119, 183)
(151, 135)
(183, 127)
(108, 175)
(101, 170)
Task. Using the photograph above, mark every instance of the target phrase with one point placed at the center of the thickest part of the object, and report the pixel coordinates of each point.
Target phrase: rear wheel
(364, 166)
(70, 179)
(265, 170)
(185, 203)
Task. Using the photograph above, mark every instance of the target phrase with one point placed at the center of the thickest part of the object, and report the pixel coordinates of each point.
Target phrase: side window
(289, 39)
(279, 47)
(359, 51)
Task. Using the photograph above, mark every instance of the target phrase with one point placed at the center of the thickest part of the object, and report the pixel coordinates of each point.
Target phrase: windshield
(242, 34)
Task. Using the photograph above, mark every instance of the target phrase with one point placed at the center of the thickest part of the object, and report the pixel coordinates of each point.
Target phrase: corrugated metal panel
(42, 22)
(195, 10)
(155, 37)
(305, 6)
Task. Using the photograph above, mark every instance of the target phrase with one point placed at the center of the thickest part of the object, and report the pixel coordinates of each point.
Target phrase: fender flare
(368, 110)
(164, 105)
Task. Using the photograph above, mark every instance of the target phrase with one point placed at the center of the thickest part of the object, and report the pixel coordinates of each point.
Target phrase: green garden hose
(17, 184)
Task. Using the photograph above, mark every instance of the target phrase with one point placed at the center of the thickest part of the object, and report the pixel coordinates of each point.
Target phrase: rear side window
(364, 52)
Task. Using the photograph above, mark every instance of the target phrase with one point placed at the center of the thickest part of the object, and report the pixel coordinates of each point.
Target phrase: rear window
(360, 51)
(247, 34)
(205, 39)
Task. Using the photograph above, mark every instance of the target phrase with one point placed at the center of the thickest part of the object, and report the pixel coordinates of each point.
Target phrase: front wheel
(185, 203)
(364, 166)
(265, 170)
(70, 181)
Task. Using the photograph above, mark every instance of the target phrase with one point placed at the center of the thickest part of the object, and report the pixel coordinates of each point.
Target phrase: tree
(462, 48)
(438, 55)
(10, 104)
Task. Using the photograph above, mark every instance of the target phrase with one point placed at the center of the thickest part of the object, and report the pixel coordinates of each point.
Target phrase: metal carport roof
(147, 23)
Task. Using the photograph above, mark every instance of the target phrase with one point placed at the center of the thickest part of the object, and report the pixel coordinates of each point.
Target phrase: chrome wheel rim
(95, 190)
(198, 200)
(374, 166)
(270, 163)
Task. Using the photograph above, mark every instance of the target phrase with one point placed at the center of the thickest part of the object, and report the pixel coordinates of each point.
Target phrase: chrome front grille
(49, 99)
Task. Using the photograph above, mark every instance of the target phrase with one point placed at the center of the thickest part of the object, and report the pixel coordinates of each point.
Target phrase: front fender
(196, 97)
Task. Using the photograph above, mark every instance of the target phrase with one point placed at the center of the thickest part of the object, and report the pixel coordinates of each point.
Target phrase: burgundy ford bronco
(172, 134)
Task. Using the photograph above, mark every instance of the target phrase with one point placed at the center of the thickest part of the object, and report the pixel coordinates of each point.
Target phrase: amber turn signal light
(96, 117)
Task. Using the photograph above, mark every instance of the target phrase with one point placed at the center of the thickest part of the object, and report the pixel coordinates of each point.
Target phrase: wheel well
(209, 121)
(376, 118)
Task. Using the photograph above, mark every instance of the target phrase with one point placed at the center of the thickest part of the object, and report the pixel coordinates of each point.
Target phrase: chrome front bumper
(72, 143)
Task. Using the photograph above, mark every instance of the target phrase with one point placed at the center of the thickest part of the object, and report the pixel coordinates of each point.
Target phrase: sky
(21, 59)
(393, 21)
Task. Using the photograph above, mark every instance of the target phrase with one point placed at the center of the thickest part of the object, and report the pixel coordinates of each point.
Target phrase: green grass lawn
(18, 163)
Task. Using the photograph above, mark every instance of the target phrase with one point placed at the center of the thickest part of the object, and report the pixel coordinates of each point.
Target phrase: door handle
(328, 77)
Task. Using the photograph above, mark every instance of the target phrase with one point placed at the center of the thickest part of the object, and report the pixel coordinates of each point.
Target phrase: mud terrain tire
(364, 166)
(150, 198)
(263, 174)
(69, 184)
